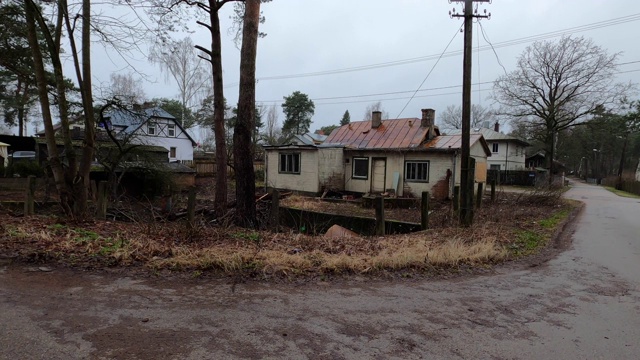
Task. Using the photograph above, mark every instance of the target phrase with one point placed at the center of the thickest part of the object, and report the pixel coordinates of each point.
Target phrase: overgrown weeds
(513, 226)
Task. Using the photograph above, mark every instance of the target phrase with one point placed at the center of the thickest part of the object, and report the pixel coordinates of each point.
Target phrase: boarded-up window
(481, 171)
(290, 163)
(417, 171)
(360, 168)
(172, 152)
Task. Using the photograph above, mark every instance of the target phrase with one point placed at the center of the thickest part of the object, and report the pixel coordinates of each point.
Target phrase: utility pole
(466, 177)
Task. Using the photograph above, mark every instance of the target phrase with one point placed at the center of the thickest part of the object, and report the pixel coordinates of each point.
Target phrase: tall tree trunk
(21, 105)
(245, 176)
(81, 180)
(41, 81)
(220, 202)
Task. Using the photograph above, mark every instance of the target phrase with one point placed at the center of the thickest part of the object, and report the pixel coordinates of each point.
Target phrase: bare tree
(179, 60)
(451, 117)
(126, 88)
(167, 13)
(72, 179)
(245, 124)
(272, 131)
(377, 106)
(558, 85)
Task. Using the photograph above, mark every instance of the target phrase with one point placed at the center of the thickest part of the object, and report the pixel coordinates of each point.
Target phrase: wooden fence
(627, 185)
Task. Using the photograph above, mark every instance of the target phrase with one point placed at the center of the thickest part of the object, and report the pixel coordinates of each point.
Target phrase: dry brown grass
(235, 251)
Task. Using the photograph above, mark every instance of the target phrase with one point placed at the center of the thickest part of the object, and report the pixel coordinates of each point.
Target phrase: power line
(421, 90)
(518, 41)
(397, 98)
(429, 74)
(384, 93)
(486, 38)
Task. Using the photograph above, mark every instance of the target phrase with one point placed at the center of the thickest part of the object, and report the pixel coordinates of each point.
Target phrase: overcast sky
(347, 54)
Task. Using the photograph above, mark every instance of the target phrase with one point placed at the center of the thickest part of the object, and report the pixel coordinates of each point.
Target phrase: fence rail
(629, 186)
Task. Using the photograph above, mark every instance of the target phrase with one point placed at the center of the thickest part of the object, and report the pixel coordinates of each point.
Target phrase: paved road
(584, 304)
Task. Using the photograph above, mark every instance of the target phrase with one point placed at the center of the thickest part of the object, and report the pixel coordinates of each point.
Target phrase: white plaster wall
(394, 163)
(306, 181)
(513, 161)
(439, 163)
(184, 146)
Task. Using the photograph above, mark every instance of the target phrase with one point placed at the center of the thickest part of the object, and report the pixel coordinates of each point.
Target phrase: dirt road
(584, 304)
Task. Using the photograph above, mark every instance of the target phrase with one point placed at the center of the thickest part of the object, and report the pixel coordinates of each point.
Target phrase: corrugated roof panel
(391, 134)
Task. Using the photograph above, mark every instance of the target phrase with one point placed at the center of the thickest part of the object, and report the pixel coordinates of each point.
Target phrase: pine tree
(346, 118)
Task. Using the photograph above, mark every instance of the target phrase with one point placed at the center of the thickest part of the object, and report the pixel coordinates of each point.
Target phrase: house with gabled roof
(507, 152)
(395, 157)
(155, 127)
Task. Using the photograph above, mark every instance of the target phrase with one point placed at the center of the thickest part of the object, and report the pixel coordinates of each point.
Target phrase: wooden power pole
(466, 177)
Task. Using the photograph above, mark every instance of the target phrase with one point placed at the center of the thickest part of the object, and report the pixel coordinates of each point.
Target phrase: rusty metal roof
(391, 134)
(454, 142)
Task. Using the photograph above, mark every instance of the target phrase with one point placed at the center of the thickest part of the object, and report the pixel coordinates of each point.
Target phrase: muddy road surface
(582, 304)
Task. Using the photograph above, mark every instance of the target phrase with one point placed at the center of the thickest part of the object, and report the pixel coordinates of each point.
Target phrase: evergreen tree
(346, 119)
(298, 110)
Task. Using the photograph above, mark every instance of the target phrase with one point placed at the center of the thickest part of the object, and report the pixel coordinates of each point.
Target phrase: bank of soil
(514, 226)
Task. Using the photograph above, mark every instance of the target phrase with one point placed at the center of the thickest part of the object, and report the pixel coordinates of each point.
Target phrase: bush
(147, 182)
(260, 175)
(24, 169)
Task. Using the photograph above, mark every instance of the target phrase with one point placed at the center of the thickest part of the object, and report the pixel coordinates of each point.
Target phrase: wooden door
(378, 173)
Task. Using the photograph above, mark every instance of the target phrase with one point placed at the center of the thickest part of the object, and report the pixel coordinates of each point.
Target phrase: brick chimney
(376, 119)
(496, 127)
(428, 121)
(427, 117)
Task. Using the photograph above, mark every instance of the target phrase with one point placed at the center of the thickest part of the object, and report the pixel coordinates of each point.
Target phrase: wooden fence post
(102, 200)
(425, 210)
(30, 194)
(191, 206)
(493, 190)
(456, 198)
(275, 210)
(379, 215)
(479, 196)
(94, 190)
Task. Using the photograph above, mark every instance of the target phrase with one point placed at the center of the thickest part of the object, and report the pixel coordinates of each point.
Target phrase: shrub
(260, 175)
(24, 169)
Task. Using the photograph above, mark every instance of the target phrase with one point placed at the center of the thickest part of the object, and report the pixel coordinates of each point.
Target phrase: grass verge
(622, 193)
(502, 230)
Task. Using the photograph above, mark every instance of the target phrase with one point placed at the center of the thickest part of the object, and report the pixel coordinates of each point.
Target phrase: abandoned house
(396, 157)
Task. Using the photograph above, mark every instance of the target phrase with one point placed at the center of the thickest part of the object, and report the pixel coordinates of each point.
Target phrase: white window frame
(175, 152)
(413, 175)
(353, 168)
(495, 148)
(151, 129)
(171, 130)
(289, 163)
